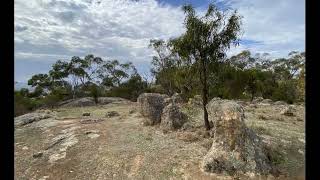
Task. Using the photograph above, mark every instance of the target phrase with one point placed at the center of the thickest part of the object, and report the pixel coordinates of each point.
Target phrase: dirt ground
(71, 146)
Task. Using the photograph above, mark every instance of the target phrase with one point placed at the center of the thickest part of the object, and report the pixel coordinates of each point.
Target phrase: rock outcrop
(151, 106)
(176, 98)
(108, 100)
(31, 117)
(235, 148)
(172, 117)
(266, 101)
(280, 103)
(89, 101)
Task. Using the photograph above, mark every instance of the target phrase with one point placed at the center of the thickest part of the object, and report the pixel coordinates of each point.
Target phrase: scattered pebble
(37, 155)
(302, 140)
(300, 151)
(86, 114)
(44, 178)
(55, 157)
(25, 148)
(92, 136)
(112, 114)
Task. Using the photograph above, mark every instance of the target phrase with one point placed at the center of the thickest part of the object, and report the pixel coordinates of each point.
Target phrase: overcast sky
(48, 30)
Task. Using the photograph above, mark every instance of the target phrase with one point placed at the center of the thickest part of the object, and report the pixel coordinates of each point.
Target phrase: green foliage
(155, 89)
(205, 42)
(95, 92)
(24, 104)
(24, 92)
(38, 91)
(286, 91)
(50, 100)
(130, 89)
(41, 80)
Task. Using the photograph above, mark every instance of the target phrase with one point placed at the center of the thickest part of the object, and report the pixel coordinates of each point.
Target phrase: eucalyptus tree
(112, 72)
(205, 42)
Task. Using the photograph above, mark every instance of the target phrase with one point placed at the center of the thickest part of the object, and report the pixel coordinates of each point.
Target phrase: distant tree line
(91, 76)
(242, 76)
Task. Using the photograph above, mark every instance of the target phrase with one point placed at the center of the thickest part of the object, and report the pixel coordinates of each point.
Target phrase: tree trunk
(205, 95)
(205, 112)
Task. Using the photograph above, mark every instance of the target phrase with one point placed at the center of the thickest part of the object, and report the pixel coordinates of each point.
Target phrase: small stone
(112, 114)
(288, 111)
(25, 148)
(302, 140)
(263, 117)
(86, 114)
(37, 155)
(44, 178)
(92, 136)
(70, 171)
(300, 151)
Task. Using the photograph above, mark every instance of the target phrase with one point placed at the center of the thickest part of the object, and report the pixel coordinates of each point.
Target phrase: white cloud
(48, 29)
(278, 24)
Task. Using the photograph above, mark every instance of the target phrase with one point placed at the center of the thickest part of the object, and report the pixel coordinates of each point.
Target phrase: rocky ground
(113, 143)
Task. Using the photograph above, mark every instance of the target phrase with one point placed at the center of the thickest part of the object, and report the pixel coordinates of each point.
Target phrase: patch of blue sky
(222, 4)
(248, 42)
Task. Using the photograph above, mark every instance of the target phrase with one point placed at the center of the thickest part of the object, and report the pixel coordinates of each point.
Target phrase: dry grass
(126, 149)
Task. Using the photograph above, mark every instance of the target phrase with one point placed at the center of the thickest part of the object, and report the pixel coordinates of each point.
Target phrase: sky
(49, 30)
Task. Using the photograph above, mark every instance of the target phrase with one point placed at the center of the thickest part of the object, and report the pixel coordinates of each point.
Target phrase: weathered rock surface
(112, 114)
(235, 148)
(257, 99)
(90, 121)
(30, 117)
(108, 100)
(196, 100)
(279, 103)
(37, 155)
(288, 111)
(176, 98)
(266, 101)
(151, 106)
(172, 117)
(89, 101)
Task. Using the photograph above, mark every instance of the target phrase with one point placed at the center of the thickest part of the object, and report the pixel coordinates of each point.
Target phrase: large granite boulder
(172, 117)
(151, 106)
(235, 148)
